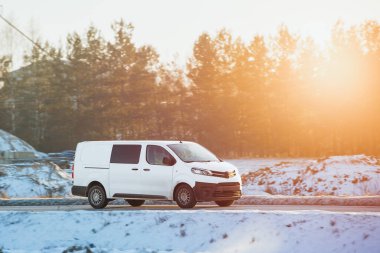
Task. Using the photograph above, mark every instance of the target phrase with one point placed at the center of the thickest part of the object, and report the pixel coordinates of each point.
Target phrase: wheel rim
(184, 196)
(96, 197)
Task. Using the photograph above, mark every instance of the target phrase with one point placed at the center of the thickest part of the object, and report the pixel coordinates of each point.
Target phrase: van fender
(182, 178)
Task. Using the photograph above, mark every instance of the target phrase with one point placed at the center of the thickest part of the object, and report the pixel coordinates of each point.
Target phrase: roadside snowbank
(357, 175)
(9, 142)
(38, 179)
(190, 231)
(334, 176)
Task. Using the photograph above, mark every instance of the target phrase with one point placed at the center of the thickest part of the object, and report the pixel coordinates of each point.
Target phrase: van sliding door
(125, 170)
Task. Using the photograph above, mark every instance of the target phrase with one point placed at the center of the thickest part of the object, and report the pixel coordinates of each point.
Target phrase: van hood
(216, 166)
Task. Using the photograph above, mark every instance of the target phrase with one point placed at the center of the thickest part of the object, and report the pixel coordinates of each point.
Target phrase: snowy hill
(337, 175)
(39, 179)
(29, 179)
(9, 142)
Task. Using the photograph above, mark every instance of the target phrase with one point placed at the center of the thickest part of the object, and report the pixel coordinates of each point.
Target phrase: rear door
(92, 164)
(157, 174)
(125, 170)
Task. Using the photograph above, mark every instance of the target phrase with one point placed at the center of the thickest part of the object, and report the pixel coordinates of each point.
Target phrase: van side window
(126, 154)
(157, 155)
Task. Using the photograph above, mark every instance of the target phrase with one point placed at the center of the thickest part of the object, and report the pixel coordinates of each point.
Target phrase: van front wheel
(185, 197)
(97, 197)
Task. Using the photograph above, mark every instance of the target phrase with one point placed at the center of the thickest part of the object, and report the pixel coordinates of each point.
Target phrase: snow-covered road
(357, 209)
(228, 231)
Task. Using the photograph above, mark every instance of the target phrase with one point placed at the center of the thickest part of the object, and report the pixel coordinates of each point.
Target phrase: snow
(189, 231)
(357, 175)
(253, 164)
(29, 179)
(37, 179)
(9, 142)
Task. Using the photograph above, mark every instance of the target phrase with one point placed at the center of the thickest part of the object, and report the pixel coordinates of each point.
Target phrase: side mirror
(168, 161)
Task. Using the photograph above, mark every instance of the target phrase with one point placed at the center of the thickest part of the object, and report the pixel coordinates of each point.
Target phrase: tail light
(72, 171)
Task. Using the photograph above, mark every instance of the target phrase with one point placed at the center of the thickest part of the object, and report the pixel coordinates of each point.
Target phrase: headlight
(201, 171)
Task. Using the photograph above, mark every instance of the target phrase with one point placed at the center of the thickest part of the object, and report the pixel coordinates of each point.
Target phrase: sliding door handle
(135, 169)
(146, 169)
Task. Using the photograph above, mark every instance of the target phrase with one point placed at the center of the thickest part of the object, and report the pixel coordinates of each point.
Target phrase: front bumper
(219, 191)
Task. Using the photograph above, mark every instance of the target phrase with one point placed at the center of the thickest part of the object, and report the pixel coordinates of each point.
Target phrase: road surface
(197, 207)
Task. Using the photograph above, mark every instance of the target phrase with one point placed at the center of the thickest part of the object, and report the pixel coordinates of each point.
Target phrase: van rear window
(126, 154)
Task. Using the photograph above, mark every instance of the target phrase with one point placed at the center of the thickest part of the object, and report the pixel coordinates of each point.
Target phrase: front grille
(226, 174)
(227, 194)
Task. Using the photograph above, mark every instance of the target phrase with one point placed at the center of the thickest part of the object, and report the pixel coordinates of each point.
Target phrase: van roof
(162, 142)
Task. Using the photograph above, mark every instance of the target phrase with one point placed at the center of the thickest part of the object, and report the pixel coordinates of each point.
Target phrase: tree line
(280, 95)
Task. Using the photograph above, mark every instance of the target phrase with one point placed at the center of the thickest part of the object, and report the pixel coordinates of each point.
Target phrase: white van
(156, 170)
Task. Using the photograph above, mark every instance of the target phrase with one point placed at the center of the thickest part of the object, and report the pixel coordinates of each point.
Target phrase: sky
(172, 26)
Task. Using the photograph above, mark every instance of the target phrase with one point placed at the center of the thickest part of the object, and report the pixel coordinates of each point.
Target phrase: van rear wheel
(224, 203)
(135, 202)
(97, 197)
(185, 197)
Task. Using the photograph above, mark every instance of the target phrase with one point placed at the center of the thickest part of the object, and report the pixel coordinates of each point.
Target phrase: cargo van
(136, 171)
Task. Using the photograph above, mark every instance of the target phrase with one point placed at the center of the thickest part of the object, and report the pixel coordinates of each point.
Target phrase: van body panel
(184, 178)
(96, 155)
(97, 175)
(216, 166)
(92, 164)
(181, 179)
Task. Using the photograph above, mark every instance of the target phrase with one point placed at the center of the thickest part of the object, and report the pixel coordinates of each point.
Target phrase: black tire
(97, 197)
(224, 203)
(135, 202)
(184, 196)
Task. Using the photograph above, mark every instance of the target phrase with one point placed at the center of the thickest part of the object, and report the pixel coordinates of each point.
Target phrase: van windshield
(192, 152)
